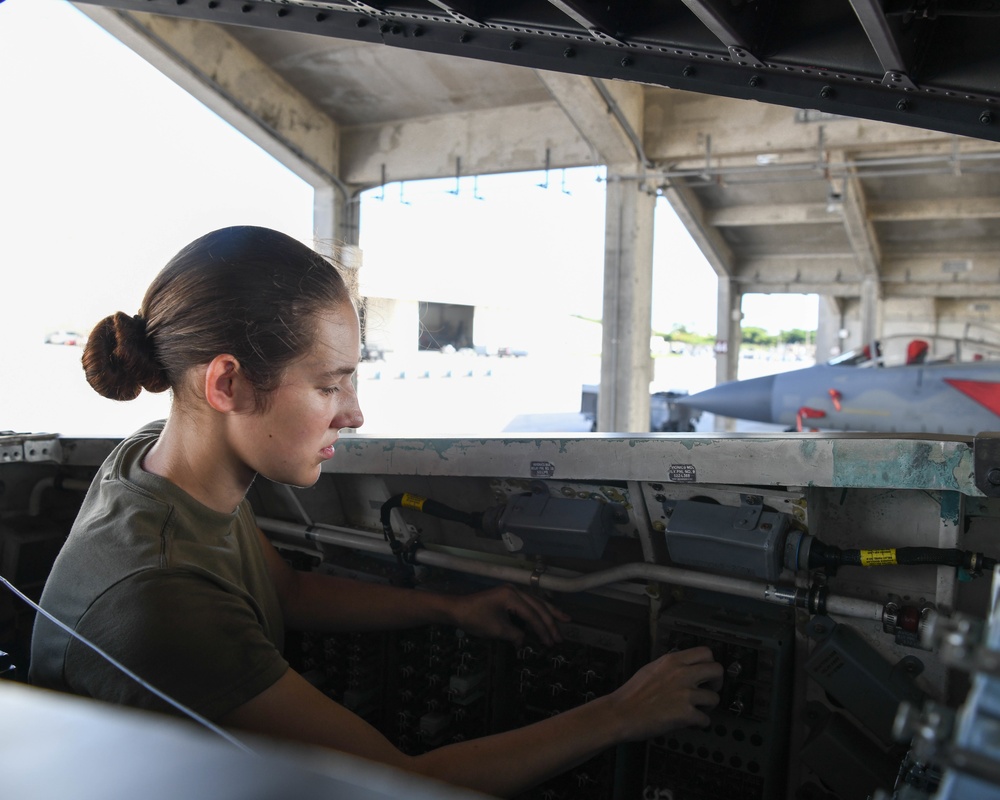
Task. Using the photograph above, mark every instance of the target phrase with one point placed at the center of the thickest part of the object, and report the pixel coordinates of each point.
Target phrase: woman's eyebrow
(338, 372)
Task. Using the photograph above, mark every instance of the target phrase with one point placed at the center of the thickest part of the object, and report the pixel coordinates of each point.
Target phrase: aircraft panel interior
(837, 578)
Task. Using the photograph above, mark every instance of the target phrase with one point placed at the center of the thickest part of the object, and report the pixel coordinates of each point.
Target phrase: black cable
(118, 665)
(831, 557)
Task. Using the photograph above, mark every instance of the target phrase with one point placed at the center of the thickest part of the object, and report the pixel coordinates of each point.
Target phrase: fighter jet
(860, 392)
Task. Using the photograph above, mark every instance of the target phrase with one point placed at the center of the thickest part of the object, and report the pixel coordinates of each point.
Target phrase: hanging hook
(548, 156)
(458, 176)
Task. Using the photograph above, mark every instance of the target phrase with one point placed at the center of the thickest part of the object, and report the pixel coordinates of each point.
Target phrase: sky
(107, 168)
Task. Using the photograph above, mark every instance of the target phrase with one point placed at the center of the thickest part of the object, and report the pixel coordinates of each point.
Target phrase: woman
(257, 338)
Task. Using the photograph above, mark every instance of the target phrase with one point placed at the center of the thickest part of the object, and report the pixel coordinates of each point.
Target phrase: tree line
(757, 337)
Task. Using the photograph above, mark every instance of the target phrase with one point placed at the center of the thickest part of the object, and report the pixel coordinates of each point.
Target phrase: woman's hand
(672, 692)
(505, 612)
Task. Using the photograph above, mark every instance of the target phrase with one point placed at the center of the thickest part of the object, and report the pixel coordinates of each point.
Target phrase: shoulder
(187, 635)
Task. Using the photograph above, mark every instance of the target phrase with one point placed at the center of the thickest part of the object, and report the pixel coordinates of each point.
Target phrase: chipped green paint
(905, 464)
(951, 507)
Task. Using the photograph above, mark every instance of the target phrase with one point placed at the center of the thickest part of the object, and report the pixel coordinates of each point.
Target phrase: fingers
(694, 655)
(704, 698)
(539, 615)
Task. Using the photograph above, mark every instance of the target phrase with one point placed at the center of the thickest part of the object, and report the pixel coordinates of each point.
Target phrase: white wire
(166, 698)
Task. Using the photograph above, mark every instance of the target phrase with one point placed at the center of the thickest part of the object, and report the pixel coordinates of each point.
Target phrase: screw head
(755, 81)
(569, 52)
(993, 476)
(986, 118)
(826, 92)
(687, 72)
(902, 105)
(626, 61)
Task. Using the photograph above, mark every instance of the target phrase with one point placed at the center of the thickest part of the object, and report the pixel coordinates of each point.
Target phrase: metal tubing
(853, 607)
(780, 595)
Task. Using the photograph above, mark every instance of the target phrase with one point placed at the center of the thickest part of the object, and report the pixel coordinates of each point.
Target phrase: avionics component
(751, 542)
(741, 755)
(539, 524)
(847, 761)
(534, 523)
(857, 677)
(746, 541)
(427, 687)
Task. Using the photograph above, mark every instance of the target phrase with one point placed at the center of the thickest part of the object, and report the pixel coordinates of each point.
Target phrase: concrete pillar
(828, 328)
(871, 297)
(729, 335)
(626, 363)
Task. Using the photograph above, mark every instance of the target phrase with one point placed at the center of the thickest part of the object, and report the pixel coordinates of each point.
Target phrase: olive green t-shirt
(177, 592)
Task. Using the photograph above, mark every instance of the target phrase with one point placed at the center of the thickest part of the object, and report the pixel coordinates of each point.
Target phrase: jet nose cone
(750, 399)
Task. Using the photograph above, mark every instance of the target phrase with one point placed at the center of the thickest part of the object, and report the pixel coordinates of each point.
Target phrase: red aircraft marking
(986, 393)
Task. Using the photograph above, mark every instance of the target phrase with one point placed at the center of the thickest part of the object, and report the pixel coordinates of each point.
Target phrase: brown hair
(251, 292)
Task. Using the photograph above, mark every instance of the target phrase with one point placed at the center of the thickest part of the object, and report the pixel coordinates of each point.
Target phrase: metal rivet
(755, 81)
(902, 105)
(986, 118)
(826, 92)
(993, 476)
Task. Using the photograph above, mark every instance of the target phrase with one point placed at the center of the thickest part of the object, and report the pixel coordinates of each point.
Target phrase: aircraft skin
(948, 398)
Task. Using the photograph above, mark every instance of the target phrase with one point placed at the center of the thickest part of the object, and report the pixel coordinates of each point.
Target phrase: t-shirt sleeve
(184, 634)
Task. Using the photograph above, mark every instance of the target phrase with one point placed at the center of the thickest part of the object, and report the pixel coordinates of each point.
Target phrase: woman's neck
(195, 457)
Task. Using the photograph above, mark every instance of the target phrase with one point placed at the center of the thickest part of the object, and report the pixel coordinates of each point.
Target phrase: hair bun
(119, 361)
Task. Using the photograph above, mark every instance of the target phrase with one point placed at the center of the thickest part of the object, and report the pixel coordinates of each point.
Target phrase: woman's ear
(226, 390)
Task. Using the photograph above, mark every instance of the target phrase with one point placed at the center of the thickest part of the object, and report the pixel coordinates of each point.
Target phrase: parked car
(65, 337)
(372, 352)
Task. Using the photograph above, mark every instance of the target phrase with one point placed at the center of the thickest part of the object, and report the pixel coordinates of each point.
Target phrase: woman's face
(289, 441)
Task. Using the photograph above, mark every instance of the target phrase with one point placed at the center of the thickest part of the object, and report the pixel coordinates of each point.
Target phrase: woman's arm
(664, 695)
(314, 601)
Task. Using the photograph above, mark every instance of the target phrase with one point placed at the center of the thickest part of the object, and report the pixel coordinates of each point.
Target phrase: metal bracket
(31, 447)
(986, 463)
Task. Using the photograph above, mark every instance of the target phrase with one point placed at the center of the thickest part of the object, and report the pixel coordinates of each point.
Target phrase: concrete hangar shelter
(847, 148)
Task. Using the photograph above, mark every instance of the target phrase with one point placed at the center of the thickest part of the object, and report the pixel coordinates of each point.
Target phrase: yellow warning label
(413, 501)
(878, 558)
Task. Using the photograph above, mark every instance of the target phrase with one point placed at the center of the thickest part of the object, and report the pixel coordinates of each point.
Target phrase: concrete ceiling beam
(212, 66)
(608, 115)
(834, 270)
(946, 209)
(768, 215)
(693, 216)
(859, 229)
(678, 126)
(510, 139)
